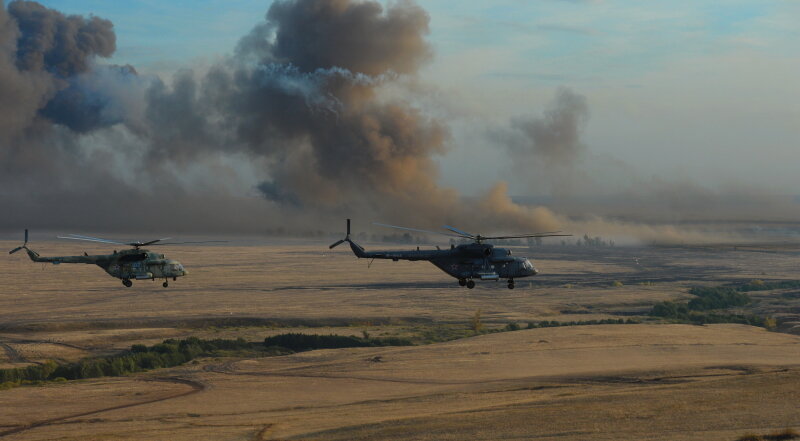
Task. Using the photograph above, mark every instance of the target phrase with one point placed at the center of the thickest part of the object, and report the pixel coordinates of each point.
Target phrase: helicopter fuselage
(127, 265)
(464, 262)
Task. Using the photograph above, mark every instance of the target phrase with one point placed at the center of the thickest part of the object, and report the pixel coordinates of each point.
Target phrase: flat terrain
(646, 381)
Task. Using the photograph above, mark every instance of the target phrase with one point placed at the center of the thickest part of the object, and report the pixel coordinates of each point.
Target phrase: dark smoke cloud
(58, 43)
(299, 106)
(311, 101)
(41, 52)
(356, 36)
(85, 104)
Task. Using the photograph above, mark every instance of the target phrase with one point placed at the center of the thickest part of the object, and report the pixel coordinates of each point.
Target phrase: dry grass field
(614, 382)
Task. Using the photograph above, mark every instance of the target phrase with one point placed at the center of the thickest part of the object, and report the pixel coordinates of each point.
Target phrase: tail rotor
(24, 245)
(346, 238)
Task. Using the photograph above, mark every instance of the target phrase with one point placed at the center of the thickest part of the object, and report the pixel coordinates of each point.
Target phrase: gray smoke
(296, 117)
(57, 43)
(554, 138)
(41, 53)
(551, 158)
(547, 150)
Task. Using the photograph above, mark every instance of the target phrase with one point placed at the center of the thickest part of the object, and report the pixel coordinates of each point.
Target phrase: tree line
(707, 305)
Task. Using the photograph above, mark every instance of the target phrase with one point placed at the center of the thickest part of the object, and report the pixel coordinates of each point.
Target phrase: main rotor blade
(456, 230)
(180, 243)
(91, 239)
(150, 243)
(523, 236)
(336, 244)
(14, 250)
(417, 230)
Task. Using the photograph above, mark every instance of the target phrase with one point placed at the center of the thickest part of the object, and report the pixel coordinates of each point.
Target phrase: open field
(647, 381)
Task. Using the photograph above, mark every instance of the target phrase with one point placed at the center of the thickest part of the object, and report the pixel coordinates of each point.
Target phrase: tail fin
(24, 245)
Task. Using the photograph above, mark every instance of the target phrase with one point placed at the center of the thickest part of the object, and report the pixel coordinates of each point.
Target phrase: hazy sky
(690, 89)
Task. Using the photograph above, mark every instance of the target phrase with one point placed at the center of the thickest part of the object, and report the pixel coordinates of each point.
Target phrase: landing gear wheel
(470, 284)
(165, 284)
(127, 283)
(462, 282)
(510, 284)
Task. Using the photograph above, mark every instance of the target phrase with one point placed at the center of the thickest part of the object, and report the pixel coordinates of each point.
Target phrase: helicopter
(130, 264)
(465, 262)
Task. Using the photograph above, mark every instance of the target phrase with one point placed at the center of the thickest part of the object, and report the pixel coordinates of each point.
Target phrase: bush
(475, 323)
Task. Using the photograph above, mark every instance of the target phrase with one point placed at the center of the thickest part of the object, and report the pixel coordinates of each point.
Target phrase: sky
(597, 110)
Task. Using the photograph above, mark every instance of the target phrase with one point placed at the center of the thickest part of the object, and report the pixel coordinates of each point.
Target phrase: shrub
(475, 323)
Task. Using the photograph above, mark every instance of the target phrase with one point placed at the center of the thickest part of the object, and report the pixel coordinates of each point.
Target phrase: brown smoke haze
(292, 130)
(550, 157)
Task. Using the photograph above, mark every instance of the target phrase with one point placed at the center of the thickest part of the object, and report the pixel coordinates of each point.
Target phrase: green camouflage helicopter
(131, 264)
(466, 262)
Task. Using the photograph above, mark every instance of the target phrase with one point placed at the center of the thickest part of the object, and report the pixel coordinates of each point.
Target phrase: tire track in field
(195, 388)
(13, 355)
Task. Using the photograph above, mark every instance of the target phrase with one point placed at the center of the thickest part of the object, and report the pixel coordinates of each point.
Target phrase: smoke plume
(555, 138)
(603, 194)
(293, 127)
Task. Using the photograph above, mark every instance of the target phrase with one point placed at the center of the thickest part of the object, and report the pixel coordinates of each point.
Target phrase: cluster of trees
(705, 308)
(33, 373)
(587, 241)
(679, 312)
(707, 299)
(513, 326)
(760, 285)
(139, 358)
(594, 242)
(716, 298)
(554, 323)
(306, 342)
